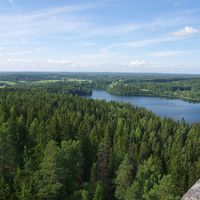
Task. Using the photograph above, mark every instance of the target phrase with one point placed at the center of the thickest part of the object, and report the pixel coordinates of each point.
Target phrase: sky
(160, 36)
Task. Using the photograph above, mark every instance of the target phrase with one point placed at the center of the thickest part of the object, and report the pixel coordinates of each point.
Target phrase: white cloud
(16, 53)
(88, 44)
(119, 29)
(54, 38)
(39, 24)
(24, 64)
(187, 31)
(148, 42)
(59, 10)
(141, 43)
(137, 63)
(181, 34)
(67, 19)
(168, 53)
(57, 62)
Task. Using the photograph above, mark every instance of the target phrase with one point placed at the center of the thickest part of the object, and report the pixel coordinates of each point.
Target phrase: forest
(186, 88)
(57, 145)
(181, 86)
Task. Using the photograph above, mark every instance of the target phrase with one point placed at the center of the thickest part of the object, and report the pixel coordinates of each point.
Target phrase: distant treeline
(181, 88)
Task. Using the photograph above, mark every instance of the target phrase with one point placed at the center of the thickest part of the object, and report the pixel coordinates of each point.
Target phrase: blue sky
(103, 35)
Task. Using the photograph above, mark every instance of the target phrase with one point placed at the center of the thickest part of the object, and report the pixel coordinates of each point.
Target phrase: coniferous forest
(57, 145)
(99, 99)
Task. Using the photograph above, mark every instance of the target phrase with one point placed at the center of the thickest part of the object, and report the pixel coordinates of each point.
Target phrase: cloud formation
(168, 53)
(88, 35)
(137, 63)
(187, 31)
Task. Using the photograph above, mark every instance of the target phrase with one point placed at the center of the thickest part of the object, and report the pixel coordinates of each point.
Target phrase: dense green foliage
(56, 145)
(168, 85)
(60, 87)
(185, 88)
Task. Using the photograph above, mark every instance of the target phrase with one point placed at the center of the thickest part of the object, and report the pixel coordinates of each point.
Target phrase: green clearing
(46, 81)
(8, 82)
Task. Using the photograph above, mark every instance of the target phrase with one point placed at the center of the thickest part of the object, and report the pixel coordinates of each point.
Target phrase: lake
(173, 108)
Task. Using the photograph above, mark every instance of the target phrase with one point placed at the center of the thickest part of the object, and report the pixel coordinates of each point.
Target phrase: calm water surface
(174, 108)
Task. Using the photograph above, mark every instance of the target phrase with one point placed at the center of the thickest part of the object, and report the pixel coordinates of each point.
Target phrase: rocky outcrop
(193, 193)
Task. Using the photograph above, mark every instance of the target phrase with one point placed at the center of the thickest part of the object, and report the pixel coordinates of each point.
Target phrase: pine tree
(69, 166)
(123, 179)
(4, 190)
(99, 192)
(47, 180)
(163, 190)
(148, 174)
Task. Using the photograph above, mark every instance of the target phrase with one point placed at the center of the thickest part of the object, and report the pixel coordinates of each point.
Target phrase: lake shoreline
(174, 108)
(187, 99)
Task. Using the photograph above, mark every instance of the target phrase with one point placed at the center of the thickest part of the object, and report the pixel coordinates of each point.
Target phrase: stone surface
(193, 193)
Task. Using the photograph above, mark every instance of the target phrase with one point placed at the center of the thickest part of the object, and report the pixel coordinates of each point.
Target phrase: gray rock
(193, 193)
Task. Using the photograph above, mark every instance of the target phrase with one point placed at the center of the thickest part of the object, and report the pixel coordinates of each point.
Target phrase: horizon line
(103, 72)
